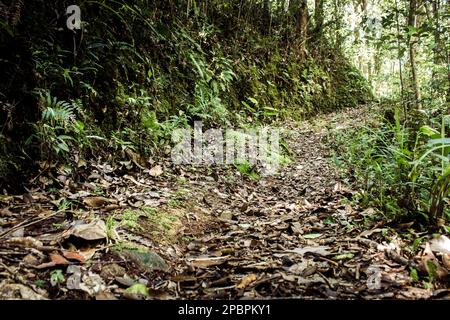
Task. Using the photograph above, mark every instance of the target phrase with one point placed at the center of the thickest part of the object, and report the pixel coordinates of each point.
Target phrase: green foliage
(140, 69)
(57, 277)
(247, 170)
(399, 170)
(58, 119)
(59, 131)
(433, 158)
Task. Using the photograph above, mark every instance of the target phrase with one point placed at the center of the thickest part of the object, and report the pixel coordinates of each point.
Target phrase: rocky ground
(178, 232)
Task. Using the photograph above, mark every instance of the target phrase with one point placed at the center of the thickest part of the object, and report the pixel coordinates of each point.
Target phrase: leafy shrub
(399, 170)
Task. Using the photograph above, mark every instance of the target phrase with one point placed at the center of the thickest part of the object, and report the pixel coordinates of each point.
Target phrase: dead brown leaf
(430, 264)
(55, 260)
(246, 281)
(96, 202)
(156, 171)
(81, 255)
(208, 261)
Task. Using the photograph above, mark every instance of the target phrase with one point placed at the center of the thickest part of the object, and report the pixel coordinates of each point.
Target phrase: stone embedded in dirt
(145, 260)
(95, 230)
(112, 270)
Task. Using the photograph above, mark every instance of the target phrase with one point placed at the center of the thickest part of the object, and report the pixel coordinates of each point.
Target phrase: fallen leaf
(55, 260)
(440, 244)
(208, 261)
(15, 291)
(72, 255)
(113, 270)
(88, 282)
(137, 159)
(145, 260)
(446, 261)
(105, 296)
(296, 228)
(368, 212)
(322, 250)
(246, 281)
(344, 256)
(312, 236)
(6, 199)
(27, 242)
(27, 198)
(139, 290)
(156, 171)
(80, 255)
(95, 230)
(226, 215)
(18, 233)
(96, 202)
(430, 264)
(368, 233)
(374, 278)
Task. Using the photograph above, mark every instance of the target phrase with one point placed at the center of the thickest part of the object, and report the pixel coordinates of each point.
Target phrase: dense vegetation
(92, 206)
(400, 158)
(138, 69)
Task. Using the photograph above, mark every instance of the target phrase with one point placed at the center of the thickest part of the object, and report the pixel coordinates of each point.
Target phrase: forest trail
(211, 235)
(294, 235)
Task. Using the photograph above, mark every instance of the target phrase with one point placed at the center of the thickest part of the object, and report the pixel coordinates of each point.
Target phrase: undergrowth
(399, 168)
(120, 86)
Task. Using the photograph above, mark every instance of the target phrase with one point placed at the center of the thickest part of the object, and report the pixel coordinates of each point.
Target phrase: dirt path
(210, 234)
(292, 235)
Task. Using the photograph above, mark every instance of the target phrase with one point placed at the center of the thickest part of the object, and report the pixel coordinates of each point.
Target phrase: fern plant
(57, 112)
(57, 128)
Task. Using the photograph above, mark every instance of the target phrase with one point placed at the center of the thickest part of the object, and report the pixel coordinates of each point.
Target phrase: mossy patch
(161, 225)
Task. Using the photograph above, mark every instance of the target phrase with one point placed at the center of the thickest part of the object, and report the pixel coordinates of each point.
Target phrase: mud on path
(189, 233)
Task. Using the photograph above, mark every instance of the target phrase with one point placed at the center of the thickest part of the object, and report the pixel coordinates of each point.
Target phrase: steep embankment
(135, 72)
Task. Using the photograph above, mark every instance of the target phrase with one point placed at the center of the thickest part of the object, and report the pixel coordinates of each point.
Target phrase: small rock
(112, 271)
(145, 260)
(126, 281)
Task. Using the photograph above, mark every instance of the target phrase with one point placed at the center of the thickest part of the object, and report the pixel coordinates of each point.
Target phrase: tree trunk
(412, 54)
(319, 15)
(302, 25)
(266, 17)
(399, 57)
(437, 51)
